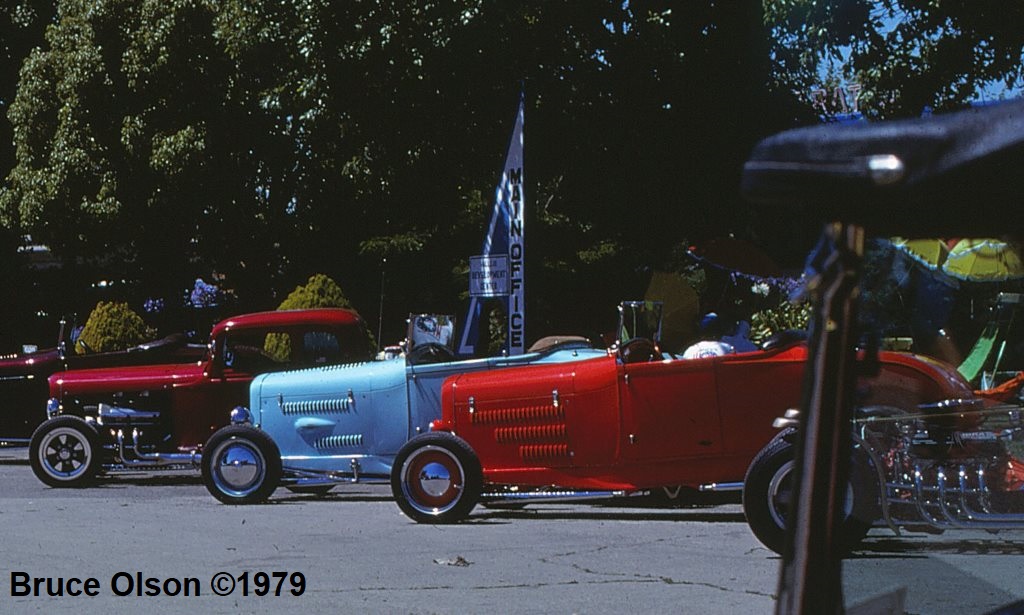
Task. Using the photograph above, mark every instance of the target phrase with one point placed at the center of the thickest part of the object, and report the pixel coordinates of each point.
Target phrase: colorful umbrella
(984, 260)
(681, 306)
(931, 253)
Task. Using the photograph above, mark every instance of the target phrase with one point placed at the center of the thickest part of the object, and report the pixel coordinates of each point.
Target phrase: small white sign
(488, 276)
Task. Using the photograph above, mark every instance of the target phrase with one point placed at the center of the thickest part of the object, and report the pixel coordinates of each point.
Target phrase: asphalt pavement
(160, 543)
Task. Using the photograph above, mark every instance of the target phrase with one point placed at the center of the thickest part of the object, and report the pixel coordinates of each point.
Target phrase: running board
(549, 496)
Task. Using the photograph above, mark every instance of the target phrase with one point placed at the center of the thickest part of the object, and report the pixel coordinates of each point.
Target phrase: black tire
(436, 478)
(65, 452)
(768, 491)
(241, 465)
(317, 490)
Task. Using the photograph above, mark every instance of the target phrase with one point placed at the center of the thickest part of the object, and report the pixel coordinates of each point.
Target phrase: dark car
(23, 377)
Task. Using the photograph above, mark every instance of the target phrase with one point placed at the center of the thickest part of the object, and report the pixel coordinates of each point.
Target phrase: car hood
(125, 378)
(329, 378)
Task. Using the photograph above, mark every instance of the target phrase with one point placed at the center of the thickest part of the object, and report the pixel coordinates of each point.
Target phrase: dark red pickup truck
(153, 416)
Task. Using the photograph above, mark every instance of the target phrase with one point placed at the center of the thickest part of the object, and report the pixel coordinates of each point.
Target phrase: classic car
(310, 430)
(631, 421)
(23, 376)
(160, 415)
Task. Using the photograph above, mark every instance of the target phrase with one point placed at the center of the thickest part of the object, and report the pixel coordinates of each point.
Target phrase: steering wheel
(639, 350)
(430, 352)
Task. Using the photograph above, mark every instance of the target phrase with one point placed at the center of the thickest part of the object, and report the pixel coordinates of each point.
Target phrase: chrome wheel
(64, 452)
(432, 480)
(241, 465)
(238, 468)
(436, 478)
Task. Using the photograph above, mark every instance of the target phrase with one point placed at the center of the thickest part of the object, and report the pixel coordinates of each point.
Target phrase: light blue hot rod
(309, 430)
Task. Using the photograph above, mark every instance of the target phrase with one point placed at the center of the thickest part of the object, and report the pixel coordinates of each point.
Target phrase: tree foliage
(319, 291)
(259, 140)
(907, 55)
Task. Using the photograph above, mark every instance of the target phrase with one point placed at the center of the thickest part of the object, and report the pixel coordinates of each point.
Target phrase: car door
(669, 409)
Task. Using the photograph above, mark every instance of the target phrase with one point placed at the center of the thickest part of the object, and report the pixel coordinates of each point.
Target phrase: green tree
(136, 144)
(260, 139)
(905, 54)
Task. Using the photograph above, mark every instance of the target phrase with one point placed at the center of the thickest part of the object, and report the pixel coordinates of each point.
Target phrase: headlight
(240, 415)
(52, 407)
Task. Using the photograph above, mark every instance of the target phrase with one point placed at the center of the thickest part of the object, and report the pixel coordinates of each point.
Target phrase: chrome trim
(885, 169)
(549, 496)
(738, 486)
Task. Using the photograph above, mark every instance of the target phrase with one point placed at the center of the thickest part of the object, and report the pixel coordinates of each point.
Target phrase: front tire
(768, 495)
(436, 478)
(241, 465)
(65, 452)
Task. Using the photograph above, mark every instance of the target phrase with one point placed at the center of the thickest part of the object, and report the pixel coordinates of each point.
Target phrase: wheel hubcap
(435, 479)
(238, 468)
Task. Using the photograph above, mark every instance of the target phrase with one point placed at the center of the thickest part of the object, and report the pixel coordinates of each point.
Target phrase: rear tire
(768, 493)
(436, 478)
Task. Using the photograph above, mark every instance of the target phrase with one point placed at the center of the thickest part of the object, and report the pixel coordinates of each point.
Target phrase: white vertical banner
(505, 238)
(511, 192)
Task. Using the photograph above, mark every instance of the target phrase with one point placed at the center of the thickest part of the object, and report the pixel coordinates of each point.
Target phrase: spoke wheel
(64, 452)
(436, 478)
(241, 465)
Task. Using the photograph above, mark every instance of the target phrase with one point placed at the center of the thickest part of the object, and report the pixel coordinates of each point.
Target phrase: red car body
(605, 424)
(157, 415)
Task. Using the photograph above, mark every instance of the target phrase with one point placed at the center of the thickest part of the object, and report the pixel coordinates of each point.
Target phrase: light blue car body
(349, 421)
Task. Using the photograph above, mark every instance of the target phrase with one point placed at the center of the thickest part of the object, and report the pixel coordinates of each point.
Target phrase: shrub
(319, 291)
(112, 326)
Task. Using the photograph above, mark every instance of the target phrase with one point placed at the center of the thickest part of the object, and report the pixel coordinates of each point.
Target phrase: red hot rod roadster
(631, 421)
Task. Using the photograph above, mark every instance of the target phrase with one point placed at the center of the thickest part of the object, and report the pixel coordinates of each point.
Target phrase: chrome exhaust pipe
(151, 459)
